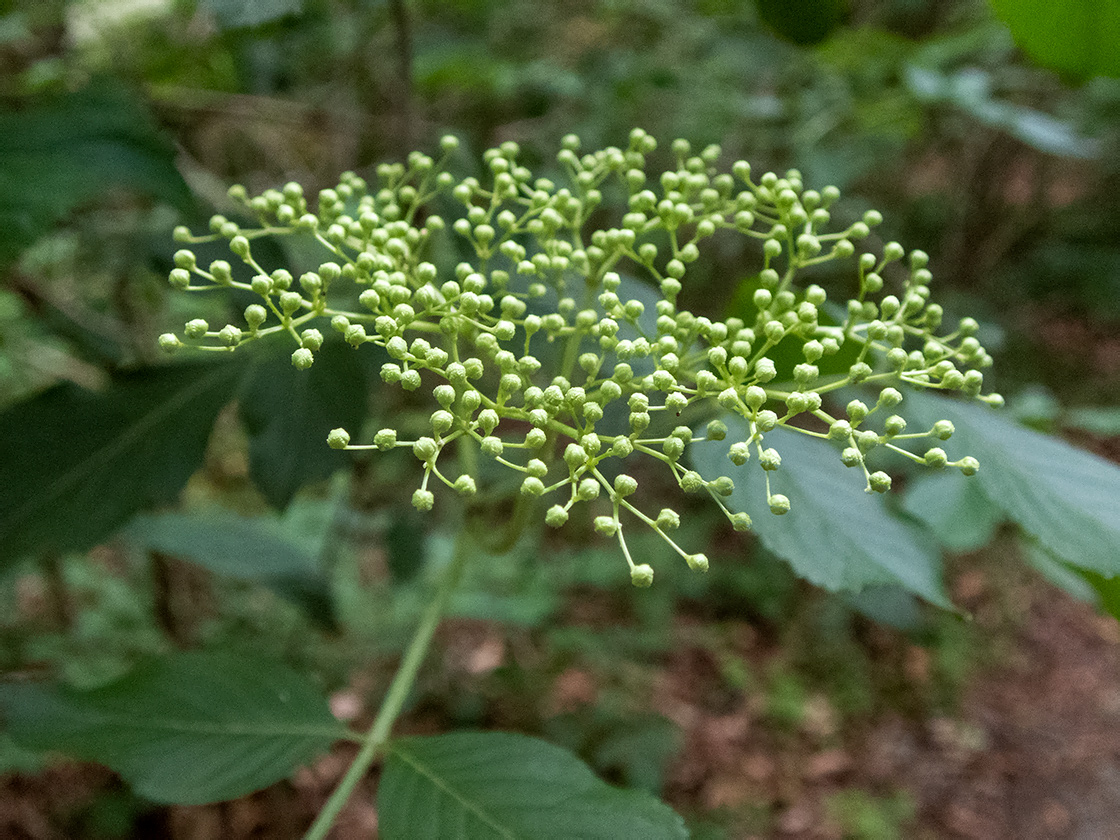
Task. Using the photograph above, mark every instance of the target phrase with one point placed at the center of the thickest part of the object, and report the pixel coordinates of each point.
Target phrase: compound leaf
(835, 535)
(78, 464)
(288, 413)
(192, 728)
(1065, 497)
(474, 785)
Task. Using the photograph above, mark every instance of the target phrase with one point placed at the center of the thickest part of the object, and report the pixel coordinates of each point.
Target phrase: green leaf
(954, 508)
(244, 548)
(1077, 37)
(193, 728)
(59, 153)
(804, 22)
(288, 413)
(501, 785)
(1065, 497)
(835, 535)
(78, 464)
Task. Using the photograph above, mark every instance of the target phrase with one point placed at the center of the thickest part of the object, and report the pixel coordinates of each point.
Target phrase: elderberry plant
(540, 354)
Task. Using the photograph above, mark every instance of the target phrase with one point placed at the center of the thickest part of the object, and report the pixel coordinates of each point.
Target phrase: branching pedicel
(538, 288)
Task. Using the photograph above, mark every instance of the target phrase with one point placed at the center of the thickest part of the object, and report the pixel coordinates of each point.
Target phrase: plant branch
(378, 735)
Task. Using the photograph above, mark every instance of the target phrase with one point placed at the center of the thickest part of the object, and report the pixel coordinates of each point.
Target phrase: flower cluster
(555, 348)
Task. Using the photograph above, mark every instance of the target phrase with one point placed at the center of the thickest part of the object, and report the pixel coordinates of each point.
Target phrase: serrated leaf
(1077, 37)
(954, 508)
(58, 153)
(835, 535)
(1068, 498)
(288, 413)
(79, 464)
(474, 785)
(192, 728)
(245, 548)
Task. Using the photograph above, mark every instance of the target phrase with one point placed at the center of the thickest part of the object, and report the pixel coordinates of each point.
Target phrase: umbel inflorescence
(539, 350)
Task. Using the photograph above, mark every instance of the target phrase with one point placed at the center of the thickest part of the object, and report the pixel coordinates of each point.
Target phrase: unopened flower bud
(338, 439)
(779, 504)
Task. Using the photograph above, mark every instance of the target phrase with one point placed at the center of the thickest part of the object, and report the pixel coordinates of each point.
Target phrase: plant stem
(378, 735)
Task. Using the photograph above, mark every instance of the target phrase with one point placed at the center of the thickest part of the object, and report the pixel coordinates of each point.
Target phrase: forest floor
(1030, 750)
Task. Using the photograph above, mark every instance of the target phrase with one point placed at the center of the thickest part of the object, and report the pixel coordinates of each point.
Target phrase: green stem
(376, 738)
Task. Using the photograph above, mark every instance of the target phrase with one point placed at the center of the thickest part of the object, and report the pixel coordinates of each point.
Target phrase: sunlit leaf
(1077, 37)
(500, 785)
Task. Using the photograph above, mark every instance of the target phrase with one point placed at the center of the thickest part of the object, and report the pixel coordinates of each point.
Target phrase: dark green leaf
(288, 413)
(234, 14)
(196, 727)
(501, 785)
(954, 508)
(253, 549)
(59, 153)
(79, 464)
(835, 535)
(1064, 496)
(804, 22)
(1077, 37)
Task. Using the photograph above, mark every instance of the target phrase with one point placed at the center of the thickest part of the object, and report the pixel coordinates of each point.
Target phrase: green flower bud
(851, 457)
(625, 485)
(606, 525)
(537, 468)
(532, 486)
(535, 438)
(779, 504)
(338, 439)
(587, 490)
(894, 425)
(425, 449)
(641, 576)
(179, 278)
(465, 485)
(857, 410)
(769, 459)
(879, 481)
(556, 516)
(691, 482)
(312, 339)
(968, 465)
(943, 429)
(575, 456)
(697, 562)
(196, 329)
(723, 485)
(739, 453)
(766, 420)
(889, 397)
(169, 342)
(740, 521)
(441, 421)
(668, 519)
(423, 500)
(716, 430)
(303, 358)
(936, 457)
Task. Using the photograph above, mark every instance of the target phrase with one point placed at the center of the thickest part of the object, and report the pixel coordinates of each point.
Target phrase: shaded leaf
(234, 14)
(244, 548)
(1077, 37)
(835, 535)
(1066, 497)
(288, 413)
(954, 508)
(804, 22)
(501, 785)
(61, 152)
(79, 464)
(193, 728)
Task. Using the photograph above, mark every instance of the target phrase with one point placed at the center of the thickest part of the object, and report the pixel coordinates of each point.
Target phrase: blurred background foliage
(122, 118)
